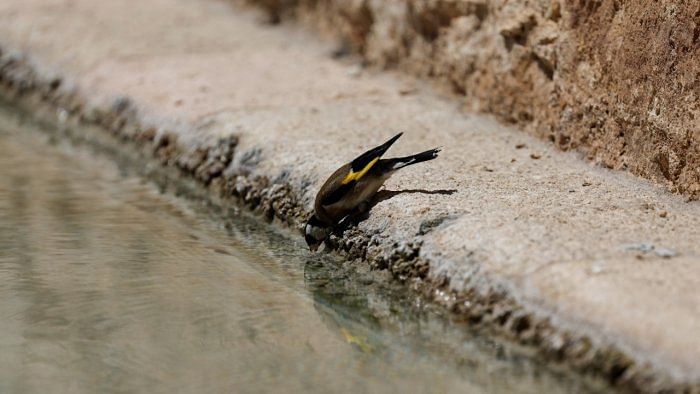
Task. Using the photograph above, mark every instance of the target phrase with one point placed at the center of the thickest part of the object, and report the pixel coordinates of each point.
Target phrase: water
(108, 285)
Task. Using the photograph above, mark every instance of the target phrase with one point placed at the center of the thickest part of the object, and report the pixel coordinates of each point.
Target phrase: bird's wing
(365, 161)
(337, 194)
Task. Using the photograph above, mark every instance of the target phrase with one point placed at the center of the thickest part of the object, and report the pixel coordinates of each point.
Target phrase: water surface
(108, 285)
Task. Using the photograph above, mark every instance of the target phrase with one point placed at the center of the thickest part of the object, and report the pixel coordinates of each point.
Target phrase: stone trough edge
(493, 310)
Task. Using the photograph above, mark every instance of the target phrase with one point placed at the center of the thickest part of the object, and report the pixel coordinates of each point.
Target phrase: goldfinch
(352, 186)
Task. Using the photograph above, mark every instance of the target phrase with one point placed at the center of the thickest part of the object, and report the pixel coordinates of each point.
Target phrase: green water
(108, 285)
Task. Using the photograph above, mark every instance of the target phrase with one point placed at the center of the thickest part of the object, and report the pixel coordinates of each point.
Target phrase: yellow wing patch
(355, 176)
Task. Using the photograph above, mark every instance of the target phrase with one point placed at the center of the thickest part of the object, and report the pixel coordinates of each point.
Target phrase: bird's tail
(400, 162)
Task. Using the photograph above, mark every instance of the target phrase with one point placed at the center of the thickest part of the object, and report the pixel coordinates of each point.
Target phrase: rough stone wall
(617, 80)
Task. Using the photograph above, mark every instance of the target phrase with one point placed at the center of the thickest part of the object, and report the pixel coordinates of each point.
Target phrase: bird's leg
(359, 214)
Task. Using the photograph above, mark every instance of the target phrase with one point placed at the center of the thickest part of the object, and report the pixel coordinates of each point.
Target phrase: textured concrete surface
(615, 80)
(567, 256)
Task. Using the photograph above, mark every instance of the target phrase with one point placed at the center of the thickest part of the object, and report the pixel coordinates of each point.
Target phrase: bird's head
(315, 232)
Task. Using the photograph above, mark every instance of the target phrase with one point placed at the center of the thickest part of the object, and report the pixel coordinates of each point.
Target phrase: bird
(351, 187)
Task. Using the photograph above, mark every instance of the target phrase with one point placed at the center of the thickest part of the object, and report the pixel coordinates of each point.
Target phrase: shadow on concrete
(363, 212)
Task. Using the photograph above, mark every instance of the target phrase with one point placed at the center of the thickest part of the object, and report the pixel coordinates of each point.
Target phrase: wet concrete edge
(493, 310)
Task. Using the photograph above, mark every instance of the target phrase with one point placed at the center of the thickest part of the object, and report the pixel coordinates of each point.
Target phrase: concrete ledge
(594, 269)
(617, 81)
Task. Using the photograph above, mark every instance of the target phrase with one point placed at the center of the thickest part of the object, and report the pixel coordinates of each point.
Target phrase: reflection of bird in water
(342, 305)
(359, 340)
(350, 188)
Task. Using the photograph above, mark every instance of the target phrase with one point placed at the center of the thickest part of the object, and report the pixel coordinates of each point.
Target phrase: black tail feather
(400, 162)
(361, 161)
